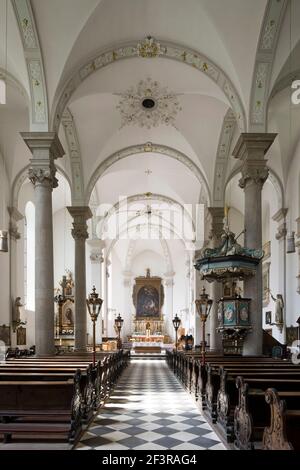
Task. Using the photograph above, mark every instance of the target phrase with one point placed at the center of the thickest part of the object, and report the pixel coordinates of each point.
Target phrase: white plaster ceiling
(16, 64)
(14, 118)
(59, 23)
(227, 34)
(168, 178)
(284, 118)
(98, 121)
(289, 38)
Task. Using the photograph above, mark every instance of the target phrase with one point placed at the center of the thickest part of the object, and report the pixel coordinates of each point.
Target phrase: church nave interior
(149, 224)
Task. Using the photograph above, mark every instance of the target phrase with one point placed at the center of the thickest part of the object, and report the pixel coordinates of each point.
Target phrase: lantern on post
(94, 304)
(176, 323)
(118, 324)
(203, 306)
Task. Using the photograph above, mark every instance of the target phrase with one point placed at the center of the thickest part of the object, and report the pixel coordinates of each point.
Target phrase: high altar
(148, 299)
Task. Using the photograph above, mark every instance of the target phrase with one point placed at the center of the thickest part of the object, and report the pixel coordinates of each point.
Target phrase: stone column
(169, 313)
(96, 259)
(217, 223)
(197, 322)
(251, 150)
(127, 303)
(45, 148)
(298, 249)
(280, 218)
(80, 234)
(105, 295)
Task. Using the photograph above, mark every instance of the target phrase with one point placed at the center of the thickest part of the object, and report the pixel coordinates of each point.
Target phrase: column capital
(169, 279)
(253, 146)
(80, 215)
(37, 142)
(96, 255)
(280, 215)
(251, 149)
(45, 148)
(15, 217)
(127, 278)
(280, 218)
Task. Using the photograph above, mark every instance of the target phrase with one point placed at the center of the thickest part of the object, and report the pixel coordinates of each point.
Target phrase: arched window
(29, 256)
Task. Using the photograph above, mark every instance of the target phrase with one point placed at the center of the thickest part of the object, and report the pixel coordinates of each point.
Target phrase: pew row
(53, 398)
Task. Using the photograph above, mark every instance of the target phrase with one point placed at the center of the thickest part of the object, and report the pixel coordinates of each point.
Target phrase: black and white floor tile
(149, 410)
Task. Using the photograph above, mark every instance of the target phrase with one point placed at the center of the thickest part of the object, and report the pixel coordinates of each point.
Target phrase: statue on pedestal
(279, 306)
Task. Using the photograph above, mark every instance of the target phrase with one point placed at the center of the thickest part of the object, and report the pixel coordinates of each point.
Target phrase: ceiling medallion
(149, 48)
(148, 105)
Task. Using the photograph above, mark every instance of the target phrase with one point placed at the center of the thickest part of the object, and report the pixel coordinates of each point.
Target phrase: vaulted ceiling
(219, 38)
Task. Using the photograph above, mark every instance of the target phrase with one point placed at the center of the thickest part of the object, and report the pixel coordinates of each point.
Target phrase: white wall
(4, 257)
(63, 243)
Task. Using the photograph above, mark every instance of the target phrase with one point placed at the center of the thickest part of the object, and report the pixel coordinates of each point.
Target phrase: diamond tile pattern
(149, 410)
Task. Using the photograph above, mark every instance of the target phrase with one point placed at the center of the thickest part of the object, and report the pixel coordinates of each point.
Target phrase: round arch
(144, 198)
(142, 148)
(274, 180)
(148, 48)
(21, 178)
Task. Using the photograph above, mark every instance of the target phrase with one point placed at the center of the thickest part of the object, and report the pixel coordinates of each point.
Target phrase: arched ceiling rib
(168, 51)
(146, 148)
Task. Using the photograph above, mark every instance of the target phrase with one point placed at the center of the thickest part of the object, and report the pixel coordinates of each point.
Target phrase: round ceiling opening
(148, 103)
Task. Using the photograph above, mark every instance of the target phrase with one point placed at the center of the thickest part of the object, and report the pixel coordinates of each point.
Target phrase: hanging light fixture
(3, 75)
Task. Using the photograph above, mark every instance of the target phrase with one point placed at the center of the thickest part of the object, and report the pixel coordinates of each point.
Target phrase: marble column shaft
(80, 234)
(217, 224)
(251, 149)
(45, 148)
(96, 259)
(170, 314)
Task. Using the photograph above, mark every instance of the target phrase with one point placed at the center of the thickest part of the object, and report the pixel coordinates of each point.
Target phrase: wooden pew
(23, 379)
(228, 398)
(47, 400)
(252, 414)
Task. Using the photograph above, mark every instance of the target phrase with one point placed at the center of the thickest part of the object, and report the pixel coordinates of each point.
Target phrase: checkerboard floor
(149, 410)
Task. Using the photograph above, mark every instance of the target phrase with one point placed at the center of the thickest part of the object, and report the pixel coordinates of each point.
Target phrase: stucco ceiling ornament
(149, 48)
(148, 105)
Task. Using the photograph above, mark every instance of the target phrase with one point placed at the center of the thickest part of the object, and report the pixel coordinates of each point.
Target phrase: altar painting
(148, 302)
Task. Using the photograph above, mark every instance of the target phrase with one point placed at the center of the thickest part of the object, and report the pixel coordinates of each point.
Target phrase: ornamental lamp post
(118, 324)
(94, 304)
(203, 306)
(176, 323)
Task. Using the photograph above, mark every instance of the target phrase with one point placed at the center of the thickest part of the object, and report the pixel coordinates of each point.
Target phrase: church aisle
(149, 410)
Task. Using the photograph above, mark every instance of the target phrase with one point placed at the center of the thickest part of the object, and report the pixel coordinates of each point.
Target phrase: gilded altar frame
(154, 284)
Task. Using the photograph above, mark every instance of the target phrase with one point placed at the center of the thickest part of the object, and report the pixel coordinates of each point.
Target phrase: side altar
(148, 299)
